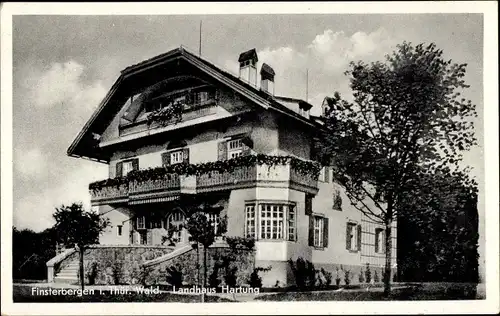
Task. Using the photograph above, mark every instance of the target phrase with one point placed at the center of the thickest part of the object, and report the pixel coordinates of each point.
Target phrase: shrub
(304, 272)
(376, 278)
(230, 276)
(347, 277)
(337, 277)
(240, 242)
(324, 278)
(174, 276)
(213, 278)
(255, 280)
(116, 270)
(368, 274)
(361, 277)
(92, 270)
(143, 275)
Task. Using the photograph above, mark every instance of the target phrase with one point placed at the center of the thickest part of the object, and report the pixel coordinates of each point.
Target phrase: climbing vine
(171, 113)
(172, 171)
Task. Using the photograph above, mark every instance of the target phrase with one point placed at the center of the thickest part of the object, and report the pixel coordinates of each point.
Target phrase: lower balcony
(170, 186)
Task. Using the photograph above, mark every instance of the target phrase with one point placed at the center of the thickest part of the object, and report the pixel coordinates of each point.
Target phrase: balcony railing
(170, 182)
(112, 192)
(238, 177)
(279, 175)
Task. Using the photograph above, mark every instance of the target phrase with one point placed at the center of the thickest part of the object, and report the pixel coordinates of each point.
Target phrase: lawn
(425, 291)
(22, 294)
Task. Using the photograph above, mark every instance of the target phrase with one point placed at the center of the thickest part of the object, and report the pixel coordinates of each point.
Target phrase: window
(379, 240)
(234, 148)
(176, 220)
(127, 167)
(119, 227)
(353, 237)
(141, 222)
(214, 219)
(322, 174)
(250, 221)
(272, 221)
(318, 231)
(143, 237)
(176, 157)
(291, 223)
(155, 223)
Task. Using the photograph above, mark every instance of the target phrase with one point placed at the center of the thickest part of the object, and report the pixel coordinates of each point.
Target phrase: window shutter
(382, 235)
(347, 236)
(308, 204)
(327, 174)
(222, 151)
(377, 237)
(359, 237)
(165, 159)
(185, 155)
(135, 164)
(119, 169)
(311, 230)
(325, 232)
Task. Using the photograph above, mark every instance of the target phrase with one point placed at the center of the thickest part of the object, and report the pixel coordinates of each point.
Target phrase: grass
(425, 291)
(22, 294)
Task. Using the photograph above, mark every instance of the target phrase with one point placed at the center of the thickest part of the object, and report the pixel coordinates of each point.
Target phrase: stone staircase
(68, 274)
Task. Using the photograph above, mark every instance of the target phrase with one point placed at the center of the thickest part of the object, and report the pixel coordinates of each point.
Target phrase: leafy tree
(30, 252)
(439, 240)
(202, 232)
(406, 117)
(76, 227)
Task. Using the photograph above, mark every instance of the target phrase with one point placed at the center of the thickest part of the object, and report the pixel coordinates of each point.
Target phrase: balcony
(170, 186)
(111, 193)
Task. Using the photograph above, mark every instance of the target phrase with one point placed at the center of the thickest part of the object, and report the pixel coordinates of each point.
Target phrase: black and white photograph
(275, 154)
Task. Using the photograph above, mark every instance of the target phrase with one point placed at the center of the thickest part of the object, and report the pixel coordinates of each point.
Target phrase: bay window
(271, 221)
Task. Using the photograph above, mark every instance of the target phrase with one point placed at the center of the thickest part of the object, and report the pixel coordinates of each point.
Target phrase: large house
(180, 109)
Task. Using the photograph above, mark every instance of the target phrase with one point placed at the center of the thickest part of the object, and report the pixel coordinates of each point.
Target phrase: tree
(75, 226)
(438, 229)
(202, 232)
(30, 252)
(406, 117)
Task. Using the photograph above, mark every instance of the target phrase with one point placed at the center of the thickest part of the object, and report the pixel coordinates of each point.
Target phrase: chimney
(248, 69)
(267, 78)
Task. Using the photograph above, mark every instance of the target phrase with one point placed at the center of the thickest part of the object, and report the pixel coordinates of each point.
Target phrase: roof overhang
(136, 77)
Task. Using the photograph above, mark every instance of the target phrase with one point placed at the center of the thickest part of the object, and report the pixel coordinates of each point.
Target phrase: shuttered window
(124, 167)
(353, 237)
(319, 231)
(379, 240)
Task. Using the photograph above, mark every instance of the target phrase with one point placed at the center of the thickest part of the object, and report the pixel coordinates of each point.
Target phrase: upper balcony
(162, 184)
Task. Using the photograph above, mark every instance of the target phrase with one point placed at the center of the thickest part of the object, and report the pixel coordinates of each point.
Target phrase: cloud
(61, 84)
(52, 104)
(31, 163)
(325, 59)
(35, 211)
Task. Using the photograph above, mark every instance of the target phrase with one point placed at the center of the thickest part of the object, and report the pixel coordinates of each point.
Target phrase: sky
(64, 65)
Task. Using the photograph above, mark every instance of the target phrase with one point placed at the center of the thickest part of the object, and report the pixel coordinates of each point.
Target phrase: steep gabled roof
(121, 90)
